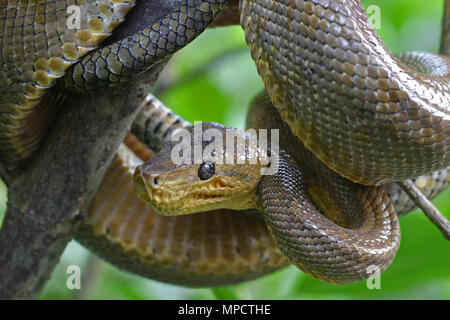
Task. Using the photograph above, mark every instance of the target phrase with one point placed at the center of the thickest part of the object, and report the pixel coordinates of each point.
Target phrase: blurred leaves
(213, 79)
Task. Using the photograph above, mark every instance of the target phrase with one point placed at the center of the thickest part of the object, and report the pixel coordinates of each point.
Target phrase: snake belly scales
(336, 87)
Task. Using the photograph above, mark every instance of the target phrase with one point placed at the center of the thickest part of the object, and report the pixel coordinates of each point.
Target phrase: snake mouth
(203, 196)
(213, 192)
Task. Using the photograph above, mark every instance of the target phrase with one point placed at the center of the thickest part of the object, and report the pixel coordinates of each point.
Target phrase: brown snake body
(336, 86)
(324, 66)
(359, 229)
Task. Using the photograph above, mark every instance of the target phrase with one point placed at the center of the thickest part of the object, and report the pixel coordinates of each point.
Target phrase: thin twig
(428, 208)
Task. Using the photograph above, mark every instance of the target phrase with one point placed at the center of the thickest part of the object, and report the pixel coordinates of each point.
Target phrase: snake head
(202, 168)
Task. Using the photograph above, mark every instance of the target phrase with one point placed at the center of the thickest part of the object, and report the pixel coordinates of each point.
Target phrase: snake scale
(337, 89)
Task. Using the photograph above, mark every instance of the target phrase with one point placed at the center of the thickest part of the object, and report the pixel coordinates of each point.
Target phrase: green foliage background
(213, 79)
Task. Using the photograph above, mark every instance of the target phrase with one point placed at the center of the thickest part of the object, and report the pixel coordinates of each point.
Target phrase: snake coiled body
(38, 49)
(360, 225)
(357, 108)
(323, 66)
(37, 46)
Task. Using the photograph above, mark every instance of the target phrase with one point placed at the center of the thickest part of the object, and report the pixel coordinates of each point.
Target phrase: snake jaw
(213, 194)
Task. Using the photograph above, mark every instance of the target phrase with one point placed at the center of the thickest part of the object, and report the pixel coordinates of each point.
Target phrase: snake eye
(206, 171)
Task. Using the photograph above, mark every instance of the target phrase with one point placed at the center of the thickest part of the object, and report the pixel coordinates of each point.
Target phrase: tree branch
(230, 15)
(445, 38)
(48, 201)
(428, 208)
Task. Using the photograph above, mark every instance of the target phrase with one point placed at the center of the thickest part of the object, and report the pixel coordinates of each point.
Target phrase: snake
(369, 118)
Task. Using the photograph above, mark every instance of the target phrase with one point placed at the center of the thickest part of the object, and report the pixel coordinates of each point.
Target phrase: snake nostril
(155, 181)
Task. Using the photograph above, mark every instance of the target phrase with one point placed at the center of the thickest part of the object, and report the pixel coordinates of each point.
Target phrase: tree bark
(47, 202)
(445, 37)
